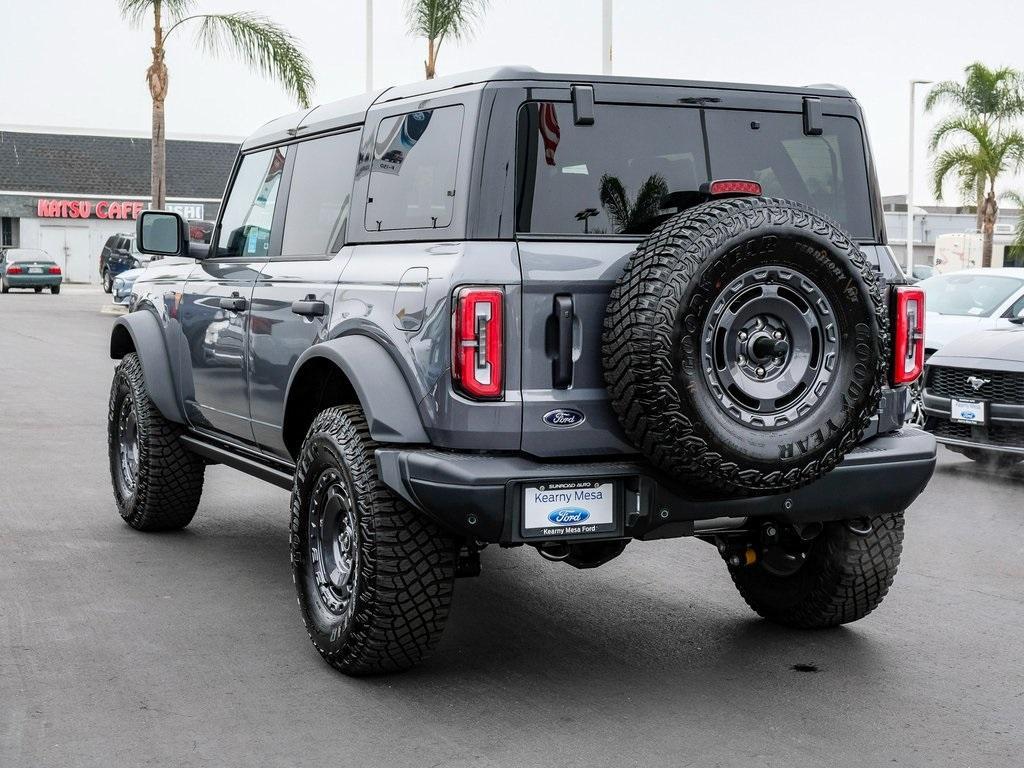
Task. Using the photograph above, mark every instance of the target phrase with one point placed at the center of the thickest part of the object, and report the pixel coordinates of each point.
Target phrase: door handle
(309, 307)
(561, 364)
(234, 303)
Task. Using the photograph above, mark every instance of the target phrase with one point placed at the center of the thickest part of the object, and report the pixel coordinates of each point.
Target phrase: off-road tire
(169, 479)
(654, 330)
(403, 564)
(55, 289)
(845, 576)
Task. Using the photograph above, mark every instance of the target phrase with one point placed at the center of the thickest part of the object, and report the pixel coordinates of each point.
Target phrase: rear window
(827, 172)
(637, 164)
(14, 256)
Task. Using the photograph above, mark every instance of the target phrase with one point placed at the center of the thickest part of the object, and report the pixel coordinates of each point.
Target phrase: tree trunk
(430, 64)
(156, 77)
(988, 227)
(980, 204)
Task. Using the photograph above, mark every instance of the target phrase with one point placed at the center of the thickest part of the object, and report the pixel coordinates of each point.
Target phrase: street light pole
(369, 45)
(910, 180)
(606, 37)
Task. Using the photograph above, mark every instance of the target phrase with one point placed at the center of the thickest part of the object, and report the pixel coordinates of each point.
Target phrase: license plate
(35, 270)
(967, 412)
(570, 508)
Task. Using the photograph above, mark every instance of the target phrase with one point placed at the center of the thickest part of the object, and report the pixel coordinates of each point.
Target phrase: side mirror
(161, 233)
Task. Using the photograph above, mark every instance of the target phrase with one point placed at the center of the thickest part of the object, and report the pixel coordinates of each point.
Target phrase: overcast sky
(76, 63)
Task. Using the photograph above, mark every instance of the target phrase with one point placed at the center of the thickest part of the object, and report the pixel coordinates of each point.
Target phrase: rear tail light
(909, 330)
(477, 343)
(54, 270)
(14, 269)
(730, 187)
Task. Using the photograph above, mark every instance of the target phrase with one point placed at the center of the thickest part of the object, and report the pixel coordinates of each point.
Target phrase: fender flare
(378, 383)
(140, 332)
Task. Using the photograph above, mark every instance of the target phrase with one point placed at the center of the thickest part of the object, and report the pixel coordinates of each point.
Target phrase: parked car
(122, 286)
(923, 272)
(28, 268)
(650, 309)
(970, 300)
(119, 254)
(974, 394)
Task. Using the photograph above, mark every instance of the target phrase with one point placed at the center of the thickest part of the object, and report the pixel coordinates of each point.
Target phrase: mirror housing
(161, 233)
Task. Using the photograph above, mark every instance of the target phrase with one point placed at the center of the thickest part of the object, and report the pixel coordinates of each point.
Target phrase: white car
(971, 300)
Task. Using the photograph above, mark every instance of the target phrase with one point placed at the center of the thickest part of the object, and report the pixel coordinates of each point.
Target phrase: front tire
(108, 282)
(374, 577)
(157, 482)
(847, 573)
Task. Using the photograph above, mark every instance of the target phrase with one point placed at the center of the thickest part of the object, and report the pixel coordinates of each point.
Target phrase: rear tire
(55, 289)
(845, 576)
(157, 482)
(108, 282)
(4, 287)
(374, 577)
(38, 290)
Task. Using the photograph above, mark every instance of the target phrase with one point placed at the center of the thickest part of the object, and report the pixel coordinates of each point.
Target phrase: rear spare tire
(745, 345)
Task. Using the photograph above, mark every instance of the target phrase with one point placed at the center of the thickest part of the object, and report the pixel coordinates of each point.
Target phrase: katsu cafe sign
(86, 209)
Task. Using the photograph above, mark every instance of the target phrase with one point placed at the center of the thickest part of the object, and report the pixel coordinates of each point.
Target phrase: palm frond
(615, 201)
(261, 44)
(440, 19)
(648, 201)
(961, 161)
(136, 11)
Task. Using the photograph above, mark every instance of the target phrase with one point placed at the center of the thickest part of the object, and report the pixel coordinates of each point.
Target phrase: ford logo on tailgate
(564, 417)
(568, 516)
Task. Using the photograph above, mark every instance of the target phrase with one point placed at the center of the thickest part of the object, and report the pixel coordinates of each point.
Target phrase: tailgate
(578, 277)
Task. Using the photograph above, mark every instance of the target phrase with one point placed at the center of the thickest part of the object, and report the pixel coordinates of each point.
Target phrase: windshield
(636, 165)
(968, 294)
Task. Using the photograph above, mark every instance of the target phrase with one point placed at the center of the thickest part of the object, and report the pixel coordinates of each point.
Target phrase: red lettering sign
(84, 209)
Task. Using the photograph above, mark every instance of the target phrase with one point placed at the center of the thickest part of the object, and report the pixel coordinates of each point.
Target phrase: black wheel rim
(334, 542)
(127, 447)
(769, 347)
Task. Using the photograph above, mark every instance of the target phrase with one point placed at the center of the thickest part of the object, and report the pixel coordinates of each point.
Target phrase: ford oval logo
(564, 417)
(968, 414)
(568, 516)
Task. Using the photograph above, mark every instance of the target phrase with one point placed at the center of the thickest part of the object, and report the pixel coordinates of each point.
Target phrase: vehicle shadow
(966, 468)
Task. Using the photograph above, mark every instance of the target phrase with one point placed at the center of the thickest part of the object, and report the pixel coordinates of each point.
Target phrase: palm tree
(630, 218)
(982, 153)
(260, 43)
(439, 19)
(988, 96)
(1017, 199)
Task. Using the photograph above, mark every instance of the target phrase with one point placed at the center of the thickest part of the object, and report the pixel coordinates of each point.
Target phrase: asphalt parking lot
(120, 648)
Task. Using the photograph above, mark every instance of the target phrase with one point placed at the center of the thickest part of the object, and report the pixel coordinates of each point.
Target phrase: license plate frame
(35, 270)
(972, 412)
(572, 495)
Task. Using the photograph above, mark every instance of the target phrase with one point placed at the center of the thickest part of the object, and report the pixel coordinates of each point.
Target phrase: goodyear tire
(745, 345)
(157, 482)
(374, 577)
(846, 575)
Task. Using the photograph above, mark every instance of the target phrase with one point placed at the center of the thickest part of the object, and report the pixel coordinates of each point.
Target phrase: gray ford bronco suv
(516, 308)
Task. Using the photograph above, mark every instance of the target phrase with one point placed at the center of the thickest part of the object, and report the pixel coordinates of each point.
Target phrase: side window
(249, 210)
(320, 194)
(412, 175)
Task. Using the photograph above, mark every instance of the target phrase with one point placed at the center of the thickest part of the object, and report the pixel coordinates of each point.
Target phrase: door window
(413, 170)
(249, 210)
(320, 194)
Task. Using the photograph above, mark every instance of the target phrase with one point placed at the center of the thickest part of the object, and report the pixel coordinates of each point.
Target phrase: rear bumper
(480, 495)
(32, 281)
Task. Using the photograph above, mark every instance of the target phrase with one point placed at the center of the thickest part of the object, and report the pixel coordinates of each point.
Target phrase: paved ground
(119, 648)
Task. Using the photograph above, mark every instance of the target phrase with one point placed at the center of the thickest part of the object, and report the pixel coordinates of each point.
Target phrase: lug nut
(743, 335)
(760, 373)
(741, 360)
(777, 334)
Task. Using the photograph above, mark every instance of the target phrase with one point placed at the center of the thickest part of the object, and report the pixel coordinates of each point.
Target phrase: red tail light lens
(908, 362)
(477, 349)
(733, 187)
(14, 269)
(55, 270)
